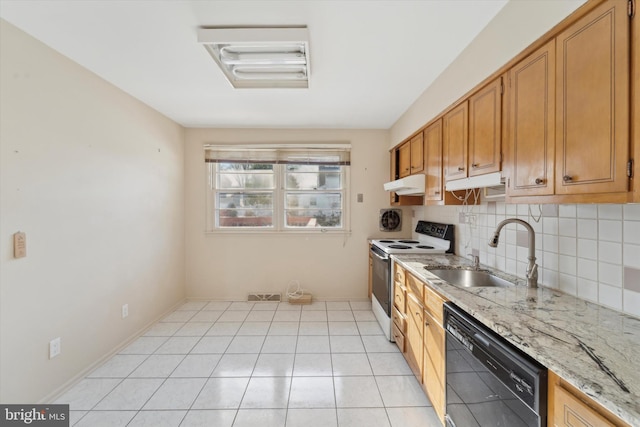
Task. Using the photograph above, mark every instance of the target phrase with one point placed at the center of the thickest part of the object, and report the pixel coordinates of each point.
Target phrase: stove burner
(386, 241)
(425, 247)
(413, 242)
(399, 247)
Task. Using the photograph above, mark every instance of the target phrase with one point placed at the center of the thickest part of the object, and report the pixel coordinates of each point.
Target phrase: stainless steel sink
(470, 278)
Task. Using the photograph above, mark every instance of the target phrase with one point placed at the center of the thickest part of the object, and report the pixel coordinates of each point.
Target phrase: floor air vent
(264, 297)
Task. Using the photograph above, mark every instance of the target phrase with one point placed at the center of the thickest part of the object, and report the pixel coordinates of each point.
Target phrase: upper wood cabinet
(592, 102)
(635, 105)
(404, 160)
(417, 156)
(433, 161)
(531, 137)
(569, 122)
(485, 129)
(411, 157)
(455, 142)
(473, 134)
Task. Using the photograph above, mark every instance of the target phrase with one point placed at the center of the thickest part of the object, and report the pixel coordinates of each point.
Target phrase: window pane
(223, 167)
(245, 209)
(311, 177)
(306, 218)
(231, 181)
(314, 200)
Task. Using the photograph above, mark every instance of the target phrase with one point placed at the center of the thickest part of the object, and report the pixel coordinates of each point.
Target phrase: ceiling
(370, 60)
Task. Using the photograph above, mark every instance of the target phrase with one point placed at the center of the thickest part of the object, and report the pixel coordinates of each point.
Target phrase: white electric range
(430, 238)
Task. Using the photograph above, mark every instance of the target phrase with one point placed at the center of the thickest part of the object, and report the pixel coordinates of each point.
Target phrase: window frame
(279, 200)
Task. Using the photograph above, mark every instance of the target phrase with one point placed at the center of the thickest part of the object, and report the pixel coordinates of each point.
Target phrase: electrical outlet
(360, 197)
(462, 218)
(125, 310)
(54, 347)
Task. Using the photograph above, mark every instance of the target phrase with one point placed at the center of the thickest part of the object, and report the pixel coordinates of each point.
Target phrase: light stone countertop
(594, 348)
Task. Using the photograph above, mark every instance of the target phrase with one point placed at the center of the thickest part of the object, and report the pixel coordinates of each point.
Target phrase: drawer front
(399, 320)
(398, 274)
(415, 286)
(398, 337)
(399, 296)
(433, 304)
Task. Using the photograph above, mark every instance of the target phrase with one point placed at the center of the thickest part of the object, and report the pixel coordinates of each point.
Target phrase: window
(279, 188)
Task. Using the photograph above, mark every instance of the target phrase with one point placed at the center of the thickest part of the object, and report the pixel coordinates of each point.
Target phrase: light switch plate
(19, 245)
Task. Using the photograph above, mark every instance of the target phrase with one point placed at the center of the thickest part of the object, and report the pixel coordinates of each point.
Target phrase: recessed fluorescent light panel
(274, 57)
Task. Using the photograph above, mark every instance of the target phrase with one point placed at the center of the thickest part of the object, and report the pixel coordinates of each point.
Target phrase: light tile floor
(266, 364)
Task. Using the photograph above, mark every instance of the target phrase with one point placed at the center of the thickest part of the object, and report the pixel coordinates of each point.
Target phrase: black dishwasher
(490, 383)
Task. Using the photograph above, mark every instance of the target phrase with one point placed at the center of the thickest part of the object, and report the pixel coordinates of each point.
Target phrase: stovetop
(431, 238)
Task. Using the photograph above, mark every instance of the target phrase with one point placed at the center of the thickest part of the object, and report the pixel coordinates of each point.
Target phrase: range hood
(410, 185)
(480, 181)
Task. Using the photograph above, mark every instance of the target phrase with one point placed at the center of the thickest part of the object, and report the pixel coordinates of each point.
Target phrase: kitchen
(191, 261)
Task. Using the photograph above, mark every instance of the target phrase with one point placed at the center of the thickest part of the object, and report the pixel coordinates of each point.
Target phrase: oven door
(380, 278)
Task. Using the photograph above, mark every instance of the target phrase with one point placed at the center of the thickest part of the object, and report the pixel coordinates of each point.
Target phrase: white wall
(95, 179)
(518, 24)
(228, 266)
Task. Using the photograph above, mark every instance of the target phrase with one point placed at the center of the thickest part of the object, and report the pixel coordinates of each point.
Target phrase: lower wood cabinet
(417, 329)
(433, 374)
(414, 338)
(398, 336)
(568, 406)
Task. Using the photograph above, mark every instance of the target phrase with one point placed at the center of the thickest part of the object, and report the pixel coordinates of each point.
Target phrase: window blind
(323, 154)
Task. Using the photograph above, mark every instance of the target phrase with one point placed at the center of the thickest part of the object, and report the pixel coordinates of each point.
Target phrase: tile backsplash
(590, 251)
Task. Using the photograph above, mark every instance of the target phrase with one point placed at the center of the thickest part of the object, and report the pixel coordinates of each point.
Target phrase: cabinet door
(592, 102)
(485, 129)
(635, 105)
(455, 139)
(404, 160)
(433, 161)
(531, 139)
(413, 342)
(571, 412)
(434, 370)
(417, 156)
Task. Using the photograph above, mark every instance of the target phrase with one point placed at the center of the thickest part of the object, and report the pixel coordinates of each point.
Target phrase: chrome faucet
(532, 267)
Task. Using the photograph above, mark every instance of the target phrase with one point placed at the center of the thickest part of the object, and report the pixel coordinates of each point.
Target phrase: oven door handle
(383, 259)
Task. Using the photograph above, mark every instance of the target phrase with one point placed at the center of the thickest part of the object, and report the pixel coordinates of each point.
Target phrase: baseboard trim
(54, 395)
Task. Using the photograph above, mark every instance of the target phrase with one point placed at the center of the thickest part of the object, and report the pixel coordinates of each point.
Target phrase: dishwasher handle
(482, 340)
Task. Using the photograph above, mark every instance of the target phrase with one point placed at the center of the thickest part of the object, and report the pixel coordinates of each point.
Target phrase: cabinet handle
(436, 192)
(567, 178)
(539, 181)
(426, 323)
(475, 165)
(460, 169)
